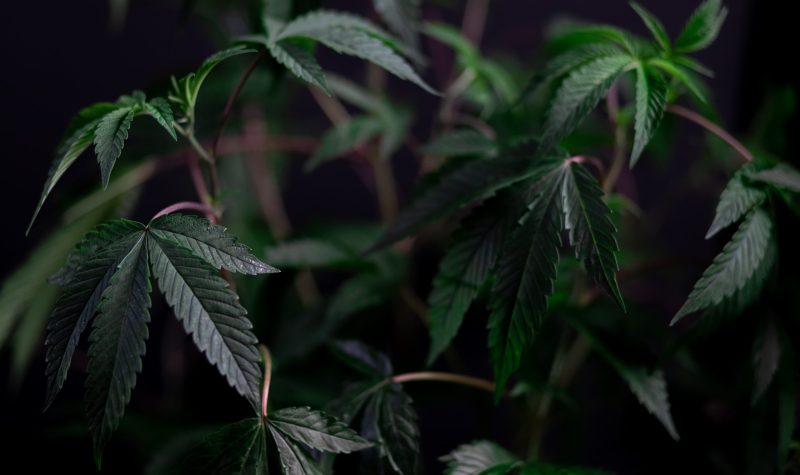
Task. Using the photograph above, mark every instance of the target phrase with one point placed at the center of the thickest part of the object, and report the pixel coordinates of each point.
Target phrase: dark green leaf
(591, 230)
(398, 433)
(117, 345)
(109, 138)
(211, 313)
(579, 94)
(95, 261)
(402, 16)
(161, 111)
(736, 200)
(460, 142)
(702, 27)
(465, 268)
(300, 62)
(363, 358)
(317, 430)
(735, 266)
(236, 449)
(294, 459)
(525, 274)
(651, 390)
(781, 175)
(652, 23)
(460, 184)
(651, 100)
(211, 242)
(476, 457)
(343, 138)
(684, 76)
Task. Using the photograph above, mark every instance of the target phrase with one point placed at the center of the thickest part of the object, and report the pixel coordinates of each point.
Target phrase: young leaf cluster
(106, 283)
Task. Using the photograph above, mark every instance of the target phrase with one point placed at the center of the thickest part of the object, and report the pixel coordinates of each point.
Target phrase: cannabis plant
(517, 223)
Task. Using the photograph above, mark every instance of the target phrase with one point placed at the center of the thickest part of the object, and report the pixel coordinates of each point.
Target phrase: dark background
(60, 56)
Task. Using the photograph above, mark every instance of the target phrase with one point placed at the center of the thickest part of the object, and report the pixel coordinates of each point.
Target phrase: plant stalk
(713, 128)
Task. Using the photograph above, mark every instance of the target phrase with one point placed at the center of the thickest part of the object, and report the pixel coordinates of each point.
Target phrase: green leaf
(117, 344)
(312, 253)
(651, 391)
(211, 313)
(398, 434)
(348, 34)
(578, 94)
(460, 142)
(735, 266)
(524, 278)
(300, 62)
(317, 430)
(95, 262)
(461, 183)
(684, 76)
(344, 137)
(160, 110)
(211, 242)
(402, 17)
(781, 175)
(109, 138)
(363, 358)
(655, 26)
(702, 27)
(476, 457)
(766, 358)
(237, 449)
(465, 268)
(736, 200)
(651, 101)
(591, 230)
(294, 459)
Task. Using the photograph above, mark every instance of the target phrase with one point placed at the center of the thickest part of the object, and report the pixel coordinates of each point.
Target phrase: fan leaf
(299, 62)
(109, 138)
(651, 101)
(702, 27)
(736, 200)
(476, 457)
(653, 24)
(317, 430)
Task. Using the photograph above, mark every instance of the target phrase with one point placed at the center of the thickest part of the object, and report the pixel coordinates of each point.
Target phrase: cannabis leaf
(653, 24)
(105, 125)
(108, 273)
(476, 458)
(388, 416)
(465, 268)
(459, 183)
(702, 27)
(461, 142)
(344, 137)
(317, 430)
(342, 32)
(736, 200)
(651, 99)
(402, 17)
(579, 93)
(781, 175)
(525, 273)
(743, 262)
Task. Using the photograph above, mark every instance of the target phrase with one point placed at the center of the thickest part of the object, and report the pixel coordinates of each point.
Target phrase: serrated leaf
(476, 457)
(524, 278)
(578, 94)
(299, 62)
(465, 268)
(317, 430)
(651, 101)
(344, 137)
(351, 35)
(398, 434)
(651, 390)
(766, 358)
(702, 27)
(161, 111)
(211, 242)
(211, 313)
(736, 200)
(402, 17)
(117, 344)
(363, 358)
(781, 175)
(311, 253)
(591, 231)
(109, 138)
(237, 449)
(95, 262)
(294, 459)
(652, 23)
(734, 267)
(460, 142)
(459, 184)
(684, 76)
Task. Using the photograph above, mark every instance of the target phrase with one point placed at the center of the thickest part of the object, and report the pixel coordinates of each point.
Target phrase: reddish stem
(593, 161)
(267, 378)
(192, 205)
(445, 377)
(713, 128)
